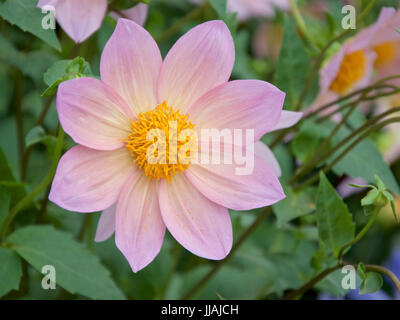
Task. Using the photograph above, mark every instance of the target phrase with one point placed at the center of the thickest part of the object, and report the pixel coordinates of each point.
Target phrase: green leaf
(32, 63)
(293, 66)
(25, 15)
(372, 283)
(361, 271)
(10, 271)
(38, 135)
(77, 270)
(16, 190)
(64, 70)
(219, 6)
(242, 68)
(294, 205)
(4, 204)
(369, 199)
(305, 144)
(55, 72)
(364, 161)
(35, 135)
(335, 223)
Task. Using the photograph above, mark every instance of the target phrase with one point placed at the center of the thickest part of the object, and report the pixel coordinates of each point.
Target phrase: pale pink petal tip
(130, 64)
(199, 61)
(250, 104)
(106, 224)
(198, 224)
(139, 230)
(288, 119)
(93, 114)
(89, 180)
(137, 14)
(80, 18)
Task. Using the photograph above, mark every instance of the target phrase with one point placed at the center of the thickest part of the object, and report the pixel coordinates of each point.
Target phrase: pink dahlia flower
(386, 43)
(138, 91)
(81, 18)
(351, 68)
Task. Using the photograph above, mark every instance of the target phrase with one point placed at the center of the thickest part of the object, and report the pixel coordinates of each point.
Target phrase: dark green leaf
(64, 70)
(372, 283)
(294, 205)
(16, 191)
(219, 6)
(77, 270)
(10, 271)
(361, 271)
(335, 223)
(25, 15)
(293, 66)
(369, 199)
(4, 203)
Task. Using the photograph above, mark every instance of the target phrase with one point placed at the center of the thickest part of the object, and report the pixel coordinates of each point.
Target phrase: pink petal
(265, 153)
(130, 63)
(137, 14)
(106, 224)
(93, 114)
(221, 183)
(80, 18)
(43, 3)
(288, 119)
(139, 230)
(199, 61)
(329, 72)
(240, 104)
(383, 30)
(89, 180)
(201, 226)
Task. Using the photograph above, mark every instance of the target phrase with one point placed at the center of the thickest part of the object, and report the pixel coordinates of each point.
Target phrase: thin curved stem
(360, 235)
(347, 150)
(386, 272)
(43, 185)
(310, 165)
(310, 284)
(395, 90)
(321, 149)
(301, 24)
(195, 13)
(202, 282)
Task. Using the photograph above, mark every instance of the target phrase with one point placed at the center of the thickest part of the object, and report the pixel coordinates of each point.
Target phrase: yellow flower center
(386, 54)
(161, 142)
(351, 70)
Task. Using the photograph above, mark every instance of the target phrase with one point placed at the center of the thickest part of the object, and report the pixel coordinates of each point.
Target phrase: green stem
(195, 13)
(310, 165)
(202, 282)
(315, 68)
(365, 98)
(347, 150)
(17, 95)
(300, 23)
(360, 235)
(42, 186)
(386, 272)
(310, 284)
(316, 158)
(366, 10)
